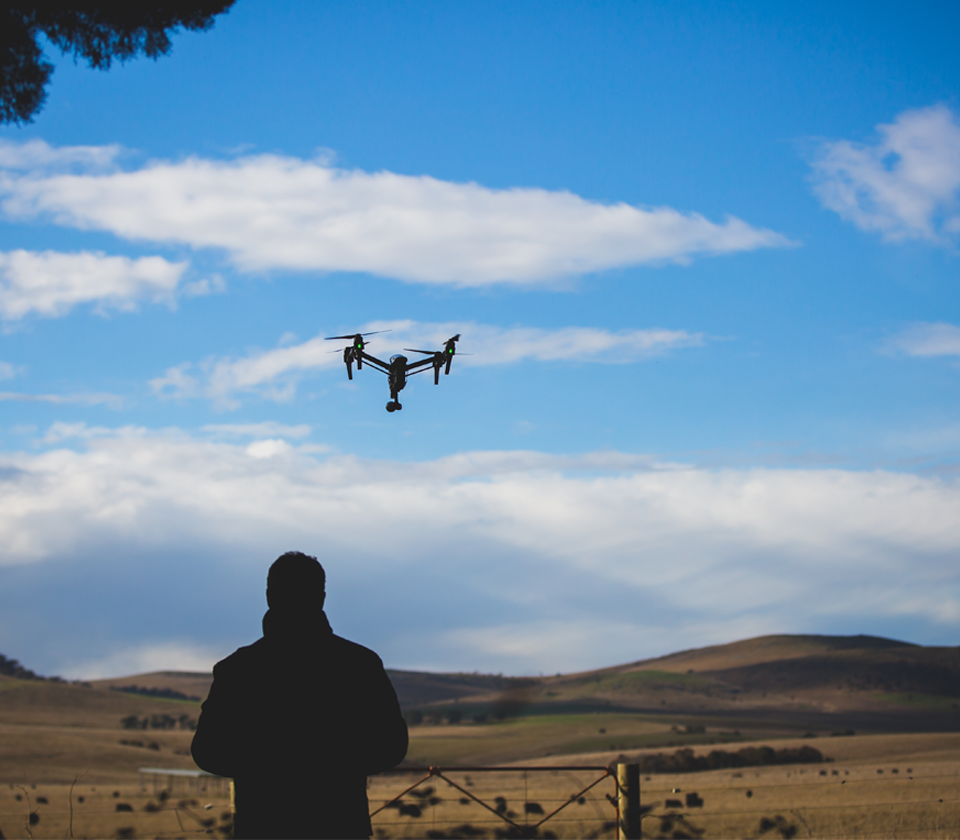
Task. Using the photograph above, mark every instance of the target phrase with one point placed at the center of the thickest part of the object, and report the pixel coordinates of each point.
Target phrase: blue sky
(705, 257)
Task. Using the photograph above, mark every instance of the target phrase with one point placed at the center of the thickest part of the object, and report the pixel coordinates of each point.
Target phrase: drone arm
(416, 367)
(419, 370)
(373, 361)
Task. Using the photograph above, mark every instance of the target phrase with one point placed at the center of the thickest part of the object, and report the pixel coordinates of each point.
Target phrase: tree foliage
(98, 32)
(685, 761)
(12, 668)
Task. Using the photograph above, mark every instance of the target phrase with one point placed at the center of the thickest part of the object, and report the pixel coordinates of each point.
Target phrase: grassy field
(42, 703)
(879, 786)
(538, 737)
(50, 733)
(875, 786)
(119, 810)
(896, 777)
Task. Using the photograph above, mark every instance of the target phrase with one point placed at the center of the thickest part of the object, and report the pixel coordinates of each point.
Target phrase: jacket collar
(283, 625)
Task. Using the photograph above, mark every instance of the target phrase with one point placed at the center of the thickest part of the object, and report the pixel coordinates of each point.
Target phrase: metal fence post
(628, 794)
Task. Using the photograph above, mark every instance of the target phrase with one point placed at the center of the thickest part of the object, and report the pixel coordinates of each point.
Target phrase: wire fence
(496, 801)
(560, 801)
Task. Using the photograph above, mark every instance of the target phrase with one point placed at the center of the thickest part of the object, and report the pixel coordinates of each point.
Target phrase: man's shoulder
(244, 656)
(240, 658)
(357, 652)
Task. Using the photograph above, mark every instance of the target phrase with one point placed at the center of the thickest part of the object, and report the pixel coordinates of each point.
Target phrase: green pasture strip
(144, 697)
(489, 711)
(640, 680)
(572, 715)
(938, 702)
(11, 684)
(535, 737)
(536, 708)
(591, 721)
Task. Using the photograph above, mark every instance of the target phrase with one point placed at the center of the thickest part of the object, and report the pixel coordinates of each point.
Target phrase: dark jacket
(298, 720)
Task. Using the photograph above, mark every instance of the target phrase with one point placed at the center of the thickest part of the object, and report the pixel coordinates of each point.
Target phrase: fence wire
(552, 801)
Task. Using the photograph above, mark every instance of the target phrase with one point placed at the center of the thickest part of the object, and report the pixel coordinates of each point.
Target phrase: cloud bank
(463, 562)
(50, 284)
(276, 212)
(274, 373)
(907, 186)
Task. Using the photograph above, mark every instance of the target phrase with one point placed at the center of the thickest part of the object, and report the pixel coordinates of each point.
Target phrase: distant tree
(163, 721)
(99, 32)
(12, 668)
(168, 693)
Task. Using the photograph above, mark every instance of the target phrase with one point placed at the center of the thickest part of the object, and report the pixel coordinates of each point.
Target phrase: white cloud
(541, 641)
(906, 186)
(269, 448)
(49, 283)
(60, 431)
(176, 382)
(110, 400)
(182, 655)
(258, 430)
(37, 155)
(486, 551)
(270, 211)
(928, 441)
(8, 370)
(928, 340)
(273, 373)
(205, 286)
(580, 640)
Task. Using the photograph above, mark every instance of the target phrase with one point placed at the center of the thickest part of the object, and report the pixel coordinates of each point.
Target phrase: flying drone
(398, 368)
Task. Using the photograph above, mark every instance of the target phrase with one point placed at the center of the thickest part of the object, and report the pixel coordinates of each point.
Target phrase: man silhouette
(300, 718)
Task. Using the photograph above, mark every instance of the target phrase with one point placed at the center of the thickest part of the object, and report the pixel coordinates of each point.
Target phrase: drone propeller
(335, 337)
(436, 352)
(437, 361)
(441, 358)
(355, 351)
(450, 348)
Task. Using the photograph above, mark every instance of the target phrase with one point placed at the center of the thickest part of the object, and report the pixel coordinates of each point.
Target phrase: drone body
(398, 368)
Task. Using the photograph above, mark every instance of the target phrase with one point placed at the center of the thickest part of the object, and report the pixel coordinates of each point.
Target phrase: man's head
(296, 582)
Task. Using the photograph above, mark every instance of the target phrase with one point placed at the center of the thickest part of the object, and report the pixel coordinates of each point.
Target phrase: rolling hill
(878, 680)
(773, 687)
(813, 681)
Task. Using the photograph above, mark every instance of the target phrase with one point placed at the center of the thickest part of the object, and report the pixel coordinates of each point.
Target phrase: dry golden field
(917, 794)
(69, 769)
(877, 786)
